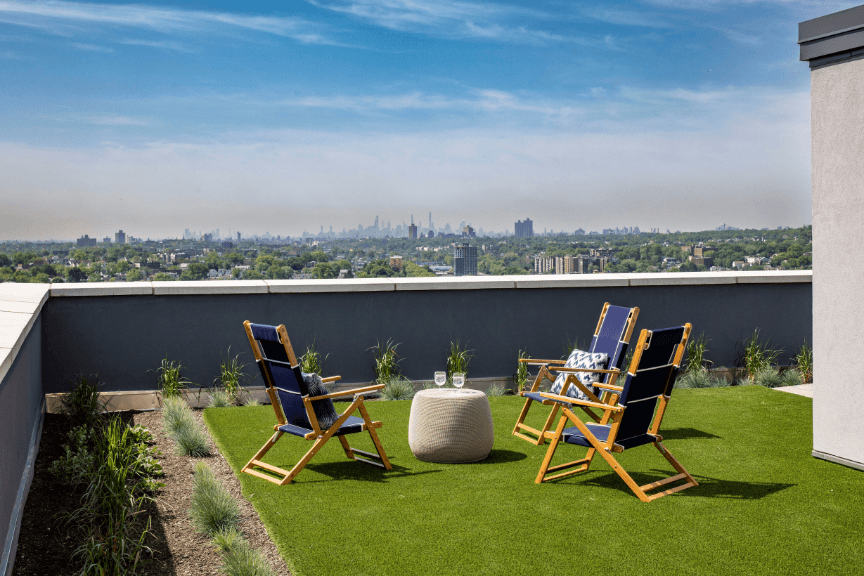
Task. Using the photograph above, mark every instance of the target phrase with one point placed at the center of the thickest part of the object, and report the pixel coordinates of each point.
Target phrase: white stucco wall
(837, 101)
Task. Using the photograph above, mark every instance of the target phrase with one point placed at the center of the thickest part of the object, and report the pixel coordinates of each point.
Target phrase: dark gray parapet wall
(123, 331)
(832, 38)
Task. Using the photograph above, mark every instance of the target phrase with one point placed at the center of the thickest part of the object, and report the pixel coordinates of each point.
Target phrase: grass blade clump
(230, 379)
(768, 377)
(220, 398)
(522, 375)
(180, 425)
(398, 388)
(82, 404)
(213, 509)
(792, 377)
(804, 360)
(496, 390)
(458, 360)
(311, 361)
(243, 560)
(699, 378)
(168, 379)
(386, 361)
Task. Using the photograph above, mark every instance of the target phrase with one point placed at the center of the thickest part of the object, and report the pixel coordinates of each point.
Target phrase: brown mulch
(45, 544)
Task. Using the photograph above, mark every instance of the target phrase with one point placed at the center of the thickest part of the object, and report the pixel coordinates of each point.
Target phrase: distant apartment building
(565, 264)
(543, 264)
(120, 237)
(85, 241)
(524, 229)
(431, 234)
(227, 245)
(579, 232)
(468, 232)
(106, 240)
(396, 263)
(465, 260)
(412, 231)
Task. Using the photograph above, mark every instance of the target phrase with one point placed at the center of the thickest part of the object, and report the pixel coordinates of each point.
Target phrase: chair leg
(250, 466)
(382, 455)
(521, 428)
(545, 469)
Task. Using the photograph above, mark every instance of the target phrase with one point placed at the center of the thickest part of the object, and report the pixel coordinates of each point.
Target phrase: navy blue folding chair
(611, 339)
(303, 407)
(632, 420)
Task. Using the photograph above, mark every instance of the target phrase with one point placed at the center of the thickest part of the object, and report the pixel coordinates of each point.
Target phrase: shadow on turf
(686, 434)
(708, 487)
(348, 470)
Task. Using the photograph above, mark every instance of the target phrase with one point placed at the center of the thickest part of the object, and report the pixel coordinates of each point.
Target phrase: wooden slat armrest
(348, 392)
(331, 379)
(609, 387)
(595, 370)
(569, 400)
(538, 362)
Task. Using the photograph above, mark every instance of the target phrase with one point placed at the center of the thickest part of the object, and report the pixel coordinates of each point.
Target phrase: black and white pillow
(581, 359)
(324, 409)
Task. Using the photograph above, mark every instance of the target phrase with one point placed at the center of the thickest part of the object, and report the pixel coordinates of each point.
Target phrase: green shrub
(696, 353)
(496, 390)
(82, 404)
(251, 401)
(398, 388)
(699, 378)
(231, 376)
(213, 509)
(458, 360)
(169, 380)
(386, 361)
(522, 376)
(757, 356)
(227, 539)
(78, 463)
(311, 361)
(220, 398)
(804, 360)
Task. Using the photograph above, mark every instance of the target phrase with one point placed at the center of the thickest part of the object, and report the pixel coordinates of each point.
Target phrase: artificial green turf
(764, 504)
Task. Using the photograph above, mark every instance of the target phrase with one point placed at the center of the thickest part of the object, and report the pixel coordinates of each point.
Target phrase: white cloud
(453, 19)
(71, 18)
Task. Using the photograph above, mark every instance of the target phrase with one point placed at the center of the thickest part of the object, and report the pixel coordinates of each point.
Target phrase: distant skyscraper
(106, 240)
(238, 236)
(86, 241)
(412, 231)
(465, 260)
(120, 237)
(430, 221)
(524, 229)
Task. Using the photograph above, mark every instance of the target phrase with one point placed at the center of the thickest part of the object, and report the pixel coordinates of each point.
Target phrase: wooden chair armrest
(569, 400)
(348, 392)
(609, 387)
(538, 362)
(331, 379)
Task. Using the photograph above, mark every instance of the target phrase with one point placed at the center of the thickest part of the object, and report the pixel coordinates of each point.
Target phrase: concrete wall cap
(681, 279)
(571, 281)
(102, 289)
(454, 283)
(768, 277)
(204, 287)
(14, 292)
(346, 285)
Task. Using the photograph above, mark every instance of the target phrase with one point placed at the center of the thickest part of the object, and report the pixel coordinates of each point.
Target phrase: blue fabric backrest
(608, 339)
(288, 379)
(655, 377)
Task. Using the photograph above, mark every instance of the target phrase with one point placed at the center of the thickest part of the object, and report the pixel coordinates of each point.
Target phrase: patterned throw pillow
(324, 409)
(581, 359)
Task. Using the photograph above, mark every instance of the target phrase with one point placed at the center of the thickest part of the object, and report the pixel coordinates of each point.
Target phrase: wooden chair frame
(547, 367)
(319, 436)
(615, 413)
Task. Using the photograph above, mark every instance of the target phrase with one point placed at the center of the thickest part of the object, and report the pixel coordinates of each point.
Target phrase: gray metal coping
(833, 37)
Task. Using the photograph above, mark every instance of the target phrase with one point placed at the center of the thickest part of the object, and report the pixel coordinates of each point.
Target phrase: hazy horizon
(280, 117)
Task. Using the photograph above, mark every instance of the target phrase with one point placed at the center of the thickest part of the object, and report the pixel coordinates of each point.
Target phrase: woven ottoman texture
(450, 426)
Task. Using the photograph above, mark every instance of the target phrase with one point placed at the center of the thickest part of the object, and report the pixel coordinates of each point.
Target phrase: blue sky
(286, 116)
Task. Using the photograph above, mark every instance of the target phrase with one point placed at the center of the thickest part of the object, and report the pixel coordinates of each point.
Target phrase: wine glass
(458, 379)
(440, 378)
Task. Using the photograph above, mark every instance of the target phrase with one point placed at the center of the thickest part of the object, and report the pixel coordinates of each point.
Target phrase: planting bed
(45, 546)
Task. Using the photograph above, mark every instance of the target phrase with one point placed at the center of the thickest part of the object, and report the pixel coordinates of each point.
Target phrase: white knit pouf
(450, 426)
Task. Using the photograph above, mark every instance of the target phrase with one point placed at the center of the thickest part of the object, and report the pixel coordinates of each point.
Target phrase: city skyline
(165, 116)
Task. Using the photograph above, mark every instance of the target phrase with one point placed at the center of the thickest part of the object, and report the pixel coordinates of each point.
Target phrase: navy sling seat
(630, 420)
(303, 406)
(591, 375)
